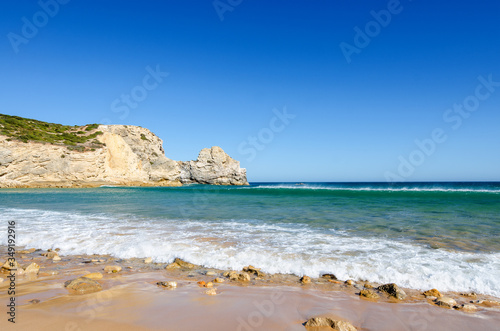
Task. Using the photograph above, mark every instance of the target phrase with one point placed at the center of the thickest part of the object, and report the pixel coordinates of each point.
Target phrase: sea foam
(276, 248)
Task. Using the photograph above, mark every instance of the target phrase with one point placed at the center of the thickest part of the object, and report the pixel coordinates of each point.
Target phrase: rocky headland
(39, 154)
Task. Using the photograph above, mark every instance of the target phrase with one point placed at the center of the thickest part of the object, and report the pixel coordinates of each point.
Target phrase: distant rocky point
(39, 154)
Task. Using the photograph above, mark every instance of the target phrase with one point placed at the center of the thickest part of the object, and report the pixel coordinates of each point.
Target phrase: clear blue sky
(354, 120)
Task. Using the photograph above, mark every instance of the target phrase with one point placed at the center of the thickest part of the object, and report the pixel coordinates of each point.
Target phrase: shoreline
(137, 281)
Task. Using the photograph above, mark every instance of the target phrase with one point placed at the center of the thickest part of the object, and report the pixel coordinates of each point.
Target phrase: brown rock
(94, 275)
(201, 284)
(329, 276)
(50, 255)
(11, 265)
(184, 264)
(244, 277)
(83, 285)
(252, 270)
(218, 280)
(112, 269)
(432, 293)
(56, 258)
(211, 291)
(392, 290)
(33, 268)
(170, 285)
(209, 284)
(368, 294)
(148, 260)
(305, 280)
(337, 325)
(445, 302)
(172, 266)
(349, 282)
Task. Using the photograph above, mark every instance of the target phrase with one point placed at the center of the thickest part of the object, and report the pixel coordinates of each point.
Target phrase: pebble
(320, 322)
(112, 269)
(445, 302)
(349, 282)
(305, 280)
(432, 293)
(369, 294)
(211, 291)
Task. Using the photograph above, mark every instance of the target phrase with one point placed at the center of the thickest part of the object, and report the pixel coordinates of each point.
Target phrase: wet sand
(131, 300)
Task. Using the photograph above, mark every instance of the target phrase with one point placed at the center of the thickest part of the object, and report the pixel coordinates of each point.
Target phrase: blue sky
(231, 80)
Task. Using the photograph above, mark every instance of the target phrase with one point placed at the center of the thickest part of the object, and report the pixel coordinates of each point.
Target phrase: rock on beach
(337, 325)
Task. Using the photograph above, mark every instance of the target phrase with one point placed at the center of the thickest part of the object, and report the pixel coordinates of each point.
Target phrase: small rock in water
(209, 284)
(56, 258)
(148, 260)
(392, 290)
(211, 291)
(244, 277)
(252, 270)
(201, 284)
(305, 280)
(233, 275)
(172, 266)
(368, 285)
(83, 285)
(112, 269)
(94, 275)
(218, 280)
(329, 276)
(432, 293)
(50, 255)
(184, 264)
(349, 282)
(468, 307)
(445, 302)
(210, 273)
(369, 294)
(33, 268)
(34, 301)
(471, 294)
(170, 285)
(336, 325)
(9, 265)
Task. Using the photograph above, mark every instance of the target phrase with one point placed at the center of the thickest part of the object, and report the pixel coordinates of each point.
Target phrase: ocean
(418, 235)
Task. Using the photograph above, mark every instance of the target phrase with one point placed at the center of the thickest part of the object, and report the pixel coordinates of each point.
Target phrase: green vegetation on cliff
(27, 130)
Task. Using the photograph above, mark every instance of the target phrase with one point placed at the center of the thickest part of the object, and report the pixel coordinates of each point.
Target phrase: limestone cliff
(127, 155)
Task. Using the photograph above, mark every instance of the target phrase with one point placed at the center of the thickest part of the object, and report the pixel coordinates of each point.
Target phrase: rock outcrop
(129, 156)
(213, 166)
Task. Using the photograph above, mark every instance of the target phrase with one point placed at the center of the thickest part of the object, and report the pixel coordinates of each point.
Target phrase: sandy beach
(131, 299)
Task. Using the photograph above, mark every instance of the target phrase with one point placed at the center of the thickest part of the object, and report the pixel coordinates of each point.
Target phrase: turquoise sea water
(419, 235)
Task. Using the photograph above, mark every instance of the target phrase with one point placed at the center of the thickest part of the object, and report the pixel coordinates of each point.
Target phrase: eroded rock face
(130, 155)
(213, 166)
